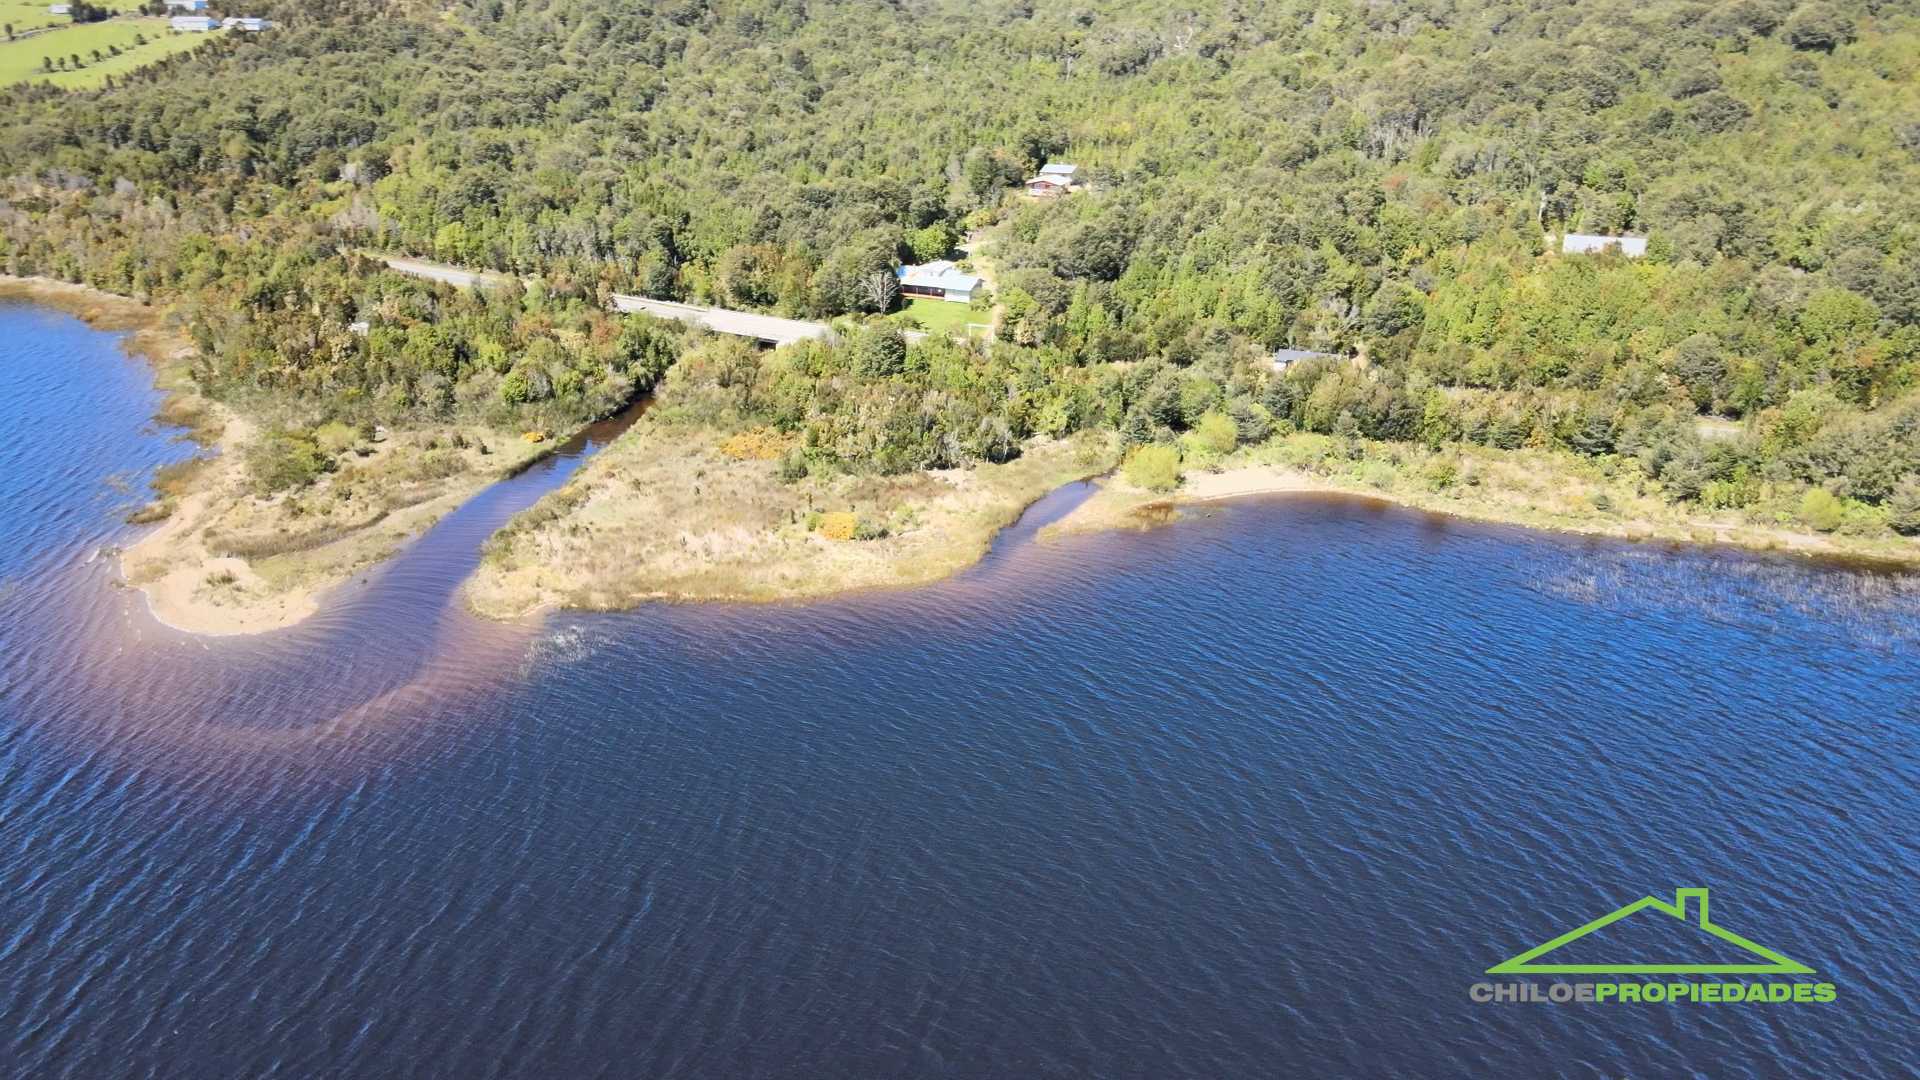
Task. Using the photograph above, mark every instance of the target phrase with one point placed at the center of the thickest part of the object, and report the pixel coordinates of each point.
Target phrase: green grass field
(20, 59)
(943, 316)
(24, 15)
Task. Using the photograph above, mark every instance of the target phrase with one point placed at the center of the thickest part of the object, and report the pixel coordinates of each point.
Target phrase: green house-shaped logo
(1527, 963)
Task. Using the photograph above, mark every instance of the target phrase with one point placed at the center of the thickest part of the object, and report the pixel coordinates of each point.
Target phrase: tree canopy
(1385, 181)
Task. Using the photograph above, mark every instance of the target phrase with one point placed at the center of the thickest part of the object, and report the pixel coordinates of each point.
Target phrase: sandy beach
(1533, 490)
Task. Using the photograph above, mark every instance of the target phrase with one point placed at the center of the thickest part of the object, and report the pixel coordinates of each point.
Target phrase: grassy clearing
(24, 15)
(667, 512)
(942, 316)
(21, 60)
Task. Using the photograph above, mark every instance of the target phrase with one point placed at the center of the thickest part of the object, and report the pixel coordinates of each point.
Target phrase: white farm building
(1587, 244)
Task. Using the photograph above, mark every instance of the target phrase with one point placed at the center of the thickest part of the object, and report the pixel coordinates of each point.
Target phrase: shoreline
(170, 597)
(221, 562)
(104, 311)
(226, 561)
(1119, 505)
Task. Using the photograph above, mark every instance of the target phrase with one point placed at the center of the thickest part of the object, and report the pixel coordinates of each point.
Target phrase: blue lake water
(1259, 794)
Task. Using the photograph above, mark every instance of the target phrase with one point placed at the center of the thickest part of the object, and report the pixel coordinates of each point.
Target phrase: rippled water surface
(1259, 794)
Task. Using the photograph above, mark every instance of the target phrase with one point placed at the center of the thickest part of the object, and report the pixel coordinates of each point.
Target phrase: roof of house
(1056, 169)
(1283, 357)
(937, 275)
(1582, 243)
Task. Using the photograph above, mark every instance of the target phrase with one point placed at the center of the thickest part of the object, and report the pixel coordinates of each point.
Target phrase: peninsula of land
(682, 510)
(227, 560)
(227, 557)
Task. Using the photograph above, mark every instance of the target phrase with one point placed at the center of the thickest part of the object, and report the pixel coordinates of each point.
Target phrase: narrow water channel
(381, 645)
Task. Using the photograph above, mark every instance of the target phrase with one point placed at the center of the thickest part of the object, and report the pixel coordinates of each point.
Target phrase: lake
(1263, 793)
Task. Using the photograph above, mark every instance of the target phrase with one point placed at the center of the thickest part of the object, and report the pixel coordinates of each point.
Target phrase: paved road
(452, 275)
(768, 328)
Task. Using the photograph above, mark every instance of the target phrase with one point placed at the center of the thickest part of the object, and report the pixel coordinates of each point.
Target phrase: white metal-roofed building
(1588, 244)
(1054, 179)
(1286, 358)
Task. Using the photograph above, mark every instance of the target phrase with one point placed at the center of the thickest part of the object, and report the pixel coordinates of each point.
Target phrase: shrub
(516, 389)
(1822, 510)
(757, 444)
(438, 465)
(335, 437)
(1217, 432)
(838, 525)
(1309, 452)
(1441, 474)
(1818, 27)
(879, 352)
(1251, 421)
(1377, 474)
(157, 510)
(793, 467)
(1730, 494)
(177, 479)
(1903, 509)
(1155, 467)
(284, 461)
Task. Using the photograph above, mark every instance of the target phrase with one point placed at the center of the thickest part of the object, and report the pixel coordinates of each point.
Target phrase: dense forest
(1382, 181)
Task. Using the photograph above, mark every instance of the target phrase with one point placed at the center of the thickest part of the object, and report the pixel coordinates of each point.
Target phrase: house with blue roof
(938, 281)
